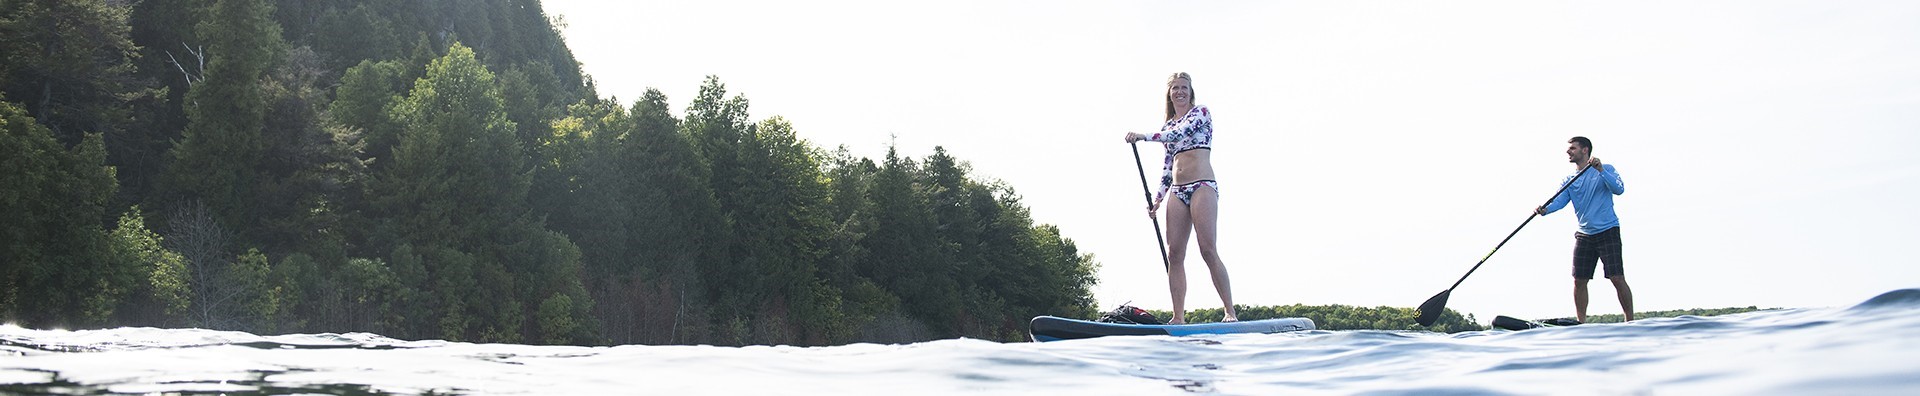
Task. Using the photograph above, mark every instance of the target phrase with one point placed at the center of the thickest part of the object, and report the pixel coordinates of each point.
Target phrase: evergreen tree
(457, 175)
(786, 217)
(717, 127)
(69, 64)
(361, 103)
(73, 66)
(672, 222)
(458, 189)
(309, 165)
(909, 258)
(55, 265)
(170, 57)
(218, 160)
(495, 213)
(456, 182)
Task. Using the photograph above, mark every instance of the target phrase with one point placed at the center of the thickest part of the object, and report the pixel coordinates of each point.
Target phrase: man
(1599, 235)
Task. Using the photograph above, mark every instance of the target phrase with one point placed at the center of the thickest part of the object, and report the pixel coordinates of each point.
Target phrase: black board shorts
(1601, 247)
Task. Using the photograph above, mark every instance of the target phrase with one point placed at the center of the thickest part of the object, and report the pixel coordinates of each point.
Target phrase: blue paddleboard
(1051, 328)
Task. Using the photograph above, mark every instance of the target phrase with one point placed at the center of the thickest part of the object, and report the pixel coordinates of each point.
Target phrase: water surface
(1870, 348)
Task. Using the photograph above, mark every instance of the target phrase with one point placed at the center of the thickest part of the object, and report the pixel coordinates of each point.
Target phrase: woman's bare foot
(1230, 317)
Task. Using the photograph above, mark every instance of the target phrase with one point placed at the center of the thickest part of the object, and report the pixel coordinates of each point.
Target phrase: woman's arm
(1197, 121)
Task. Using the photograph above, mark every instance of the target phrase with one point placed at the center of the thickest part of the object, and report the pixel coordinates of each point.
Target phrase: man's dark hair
(1582, 140)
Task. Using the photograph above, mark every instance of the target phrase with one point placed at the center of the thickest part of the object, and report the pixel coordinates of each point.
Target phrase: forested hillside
(430, 169)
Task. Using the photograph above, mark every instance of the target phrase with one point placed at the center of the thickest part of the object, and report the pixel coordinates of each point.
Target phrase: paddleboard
(1512, 323)
(1051, 328)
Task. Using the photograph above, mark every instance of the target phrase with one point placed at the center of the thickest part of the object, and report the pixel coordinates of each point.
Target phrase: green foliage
(55, 266)
(252, 298)
(960, 252)
(458, 189)
(1617, 318)
(657, 214)
(768, 187)
(813, 249)
(546, 266)
(367, 30)
(219, 158)
(164, 284)
(415, 315)
(293, 285)
(557, 319)
(360, 103)
(69, 64)
(1063, 278)
(72, 65)
(371, 293)
(455, 289)
(457, 173)
(350, 166)
(309, 164)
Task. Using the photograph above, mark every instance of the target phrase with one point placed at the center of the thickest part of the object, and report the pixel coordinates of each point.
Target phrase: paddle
(1164, 263)
(1430, 310)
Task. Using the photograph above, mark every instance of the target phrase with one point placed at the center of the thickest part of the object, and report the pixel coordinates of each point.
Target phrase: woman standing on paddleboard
(1188, 174)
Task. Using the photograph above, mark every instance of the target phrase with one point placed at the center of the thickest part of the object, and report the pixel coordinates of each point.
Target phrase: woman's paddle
(1430, 311)
(1164, 263)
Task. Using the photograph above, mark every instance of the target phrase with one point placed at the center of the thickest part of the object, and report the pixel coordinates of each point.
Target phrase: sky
(1369, 152)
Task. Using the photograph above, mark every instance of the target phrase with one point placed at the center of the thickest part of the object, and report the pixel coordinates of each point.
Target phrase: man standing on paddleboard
(1598, 239)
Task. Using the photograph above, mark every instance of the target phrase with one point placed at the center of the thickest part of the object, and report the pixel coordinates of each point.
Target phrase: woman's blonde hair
(1190, 96)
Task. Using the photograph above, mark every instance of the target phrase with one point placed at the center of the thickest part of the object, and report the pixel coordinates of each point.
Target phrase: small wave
(1897, 299)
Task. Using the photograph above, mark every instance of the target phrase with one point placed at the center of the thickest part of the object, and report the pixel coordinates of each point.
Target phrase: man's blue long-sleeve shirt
(1592, 199)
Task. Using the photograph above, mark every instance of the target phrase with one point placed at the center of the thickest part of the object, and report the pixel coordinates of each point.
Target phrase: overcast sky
(1369, 153)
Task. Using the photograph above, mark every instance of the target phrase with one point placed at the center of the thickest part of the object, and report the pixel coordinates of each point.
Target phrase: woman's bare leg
(1179, 226)
(1205, 215)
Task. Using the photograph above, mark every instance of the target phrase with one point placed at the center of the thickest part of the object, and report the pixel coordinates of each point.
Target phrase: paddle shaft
(1148, 193)
(1516, 230)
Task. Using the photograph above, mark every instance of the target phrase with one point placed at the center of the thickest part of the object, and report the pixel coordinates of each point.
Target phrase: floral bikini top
(1188, 132)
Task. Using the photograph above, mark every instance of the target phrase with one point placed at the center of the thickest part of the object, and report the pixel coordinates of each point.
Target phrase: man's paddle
(1430, 310)
(1164, 263)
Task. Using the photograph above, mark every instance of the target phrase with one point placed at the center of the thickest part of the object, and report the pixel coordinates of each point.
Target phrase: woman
(1188, 174)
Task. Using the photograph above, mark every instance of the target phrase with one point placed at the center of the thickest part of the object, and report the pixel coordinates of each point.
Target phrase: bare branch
(200, 58)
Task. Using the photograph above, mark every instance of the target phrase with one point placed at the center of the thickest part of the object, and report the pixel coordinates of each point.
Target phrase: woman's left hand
(1134, 137)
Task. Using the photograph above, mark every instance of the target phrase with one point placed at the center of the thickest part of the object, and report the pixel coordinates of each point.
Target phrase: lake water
(1870, 348)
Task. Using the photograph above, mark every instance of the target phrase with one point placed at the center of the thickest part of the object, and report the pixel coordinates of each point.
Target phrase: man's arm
(1612, 179)
(1559, 201)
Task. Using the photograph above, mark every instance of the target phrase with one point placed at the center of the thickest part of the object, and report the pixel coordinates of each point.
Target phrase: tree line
(1617, 318)
(444, 170)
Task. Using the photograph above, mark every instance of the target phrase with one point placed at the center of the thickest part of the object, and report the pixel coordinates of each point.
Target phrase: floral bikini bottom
(1185, 191)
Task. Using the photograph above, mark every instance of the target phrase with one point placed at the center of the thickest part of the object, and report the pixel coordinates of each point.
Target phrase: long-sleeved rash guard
(1188, 132)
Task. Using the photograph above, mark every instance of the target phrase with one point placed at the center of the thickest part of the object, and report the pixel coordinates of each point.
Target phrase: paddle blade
(1430, 310)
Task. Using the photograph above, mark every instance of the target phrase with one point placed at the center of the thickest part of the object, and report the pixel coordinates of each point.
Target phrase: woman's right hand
(1134, 137)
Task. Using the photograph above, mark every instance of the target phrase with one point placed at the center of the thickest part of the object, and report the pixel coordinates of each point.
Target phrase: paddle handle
(1516, 230)
(1148, 193)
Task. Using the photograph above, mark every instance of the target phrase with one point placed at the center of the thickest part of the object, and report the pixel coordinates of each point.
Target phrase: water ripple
(1868, 348)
